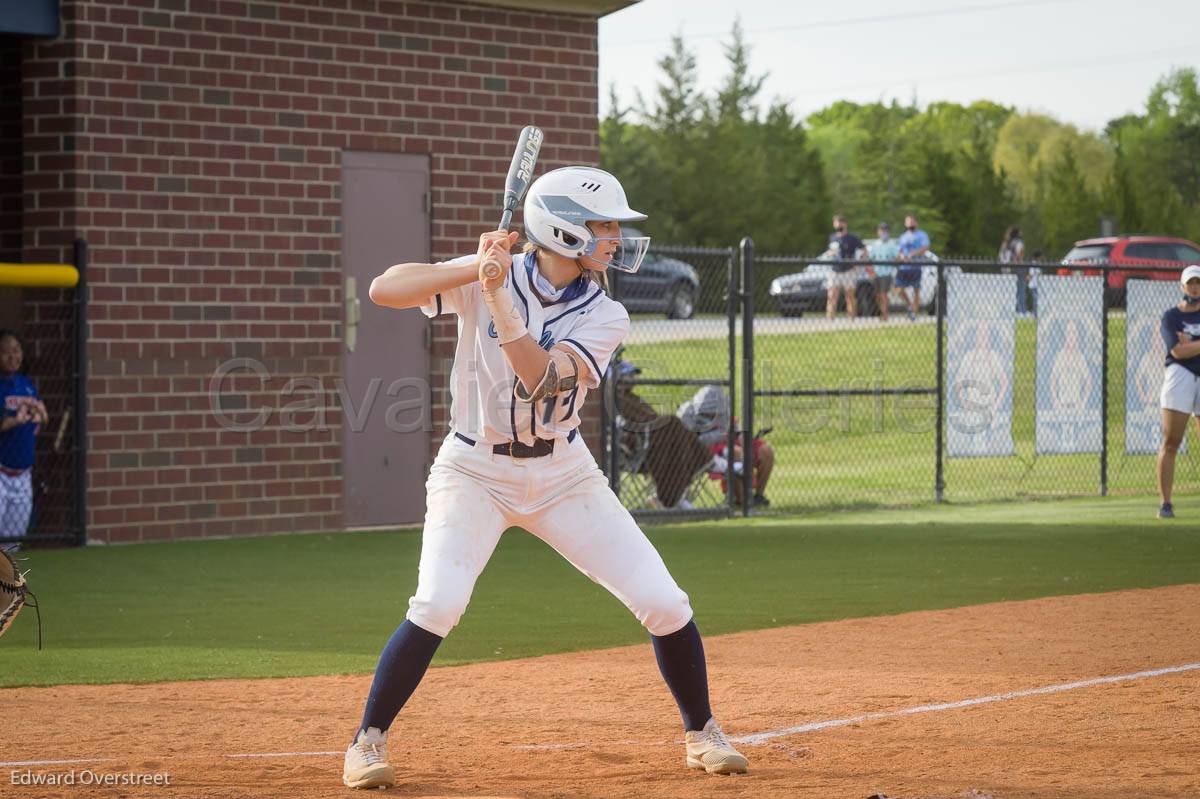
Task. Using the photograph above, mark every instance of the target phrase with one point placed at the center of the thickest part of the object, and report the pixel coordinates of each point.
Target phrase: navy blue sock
(681, 660)
(401, 667)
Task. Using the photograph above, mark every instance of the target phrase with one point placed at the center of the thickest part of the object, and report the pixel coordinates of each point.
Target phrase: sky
(1081, 61)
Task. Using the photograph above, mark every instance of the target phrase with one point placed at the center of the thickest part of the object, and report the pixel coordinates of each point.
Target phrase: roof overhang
(591, 8)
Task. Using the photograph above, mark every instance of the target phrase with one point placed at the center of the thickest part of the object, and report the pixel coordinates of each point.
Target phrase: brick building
(239, 170)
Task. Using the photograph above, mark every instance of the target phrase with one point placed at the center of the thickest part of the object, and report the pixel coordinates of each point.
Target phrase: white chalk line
(761, 737)
(287, 754)
(758, 738)
(55, 762)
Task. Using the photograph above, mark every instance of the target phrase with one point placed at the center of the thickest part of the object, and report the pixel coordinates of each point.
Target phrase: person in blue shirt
(914, 244)
(884, 248)
(1180, 398)
(23, 413)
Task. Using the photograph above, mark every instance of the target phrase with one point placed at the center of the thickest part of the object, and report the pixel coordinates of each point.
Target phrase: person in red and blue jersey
(23, 414)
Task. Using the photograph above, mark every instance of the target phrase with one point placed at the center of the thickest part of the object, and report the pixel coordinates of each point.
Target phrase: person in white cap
(1181, 383)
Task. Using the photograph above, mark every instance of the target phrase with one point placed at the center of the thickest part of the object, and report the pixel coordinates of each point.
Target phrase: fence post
(80, 378)
(939, 480)
(1104, 398)
(610, 431)
(733, 300)
(747, 247)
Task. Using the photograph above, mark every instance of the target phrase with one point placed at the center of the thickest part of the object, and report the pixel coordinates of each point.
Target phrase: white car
(807, 290)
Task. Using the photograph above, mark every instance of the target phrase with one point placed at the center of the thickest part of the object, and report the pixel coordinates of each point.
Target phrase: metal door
(385, 356)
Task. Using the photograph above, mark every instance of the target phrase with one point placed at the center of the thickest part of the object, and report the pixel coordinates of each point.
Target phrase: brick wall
(10, 148)
(196, 145)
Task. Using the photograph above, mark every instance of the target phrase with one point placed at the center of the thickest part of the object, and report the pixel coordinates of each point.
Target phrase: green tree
(1157, 175)
(1120, 197)
(1029, 144)
(735, 99)
(1070, 210)
(708, 170)
(1173, 113)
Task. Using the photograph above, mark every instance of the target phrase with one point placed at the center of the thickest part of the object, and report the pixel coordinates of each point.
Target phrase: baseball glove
(13, 595)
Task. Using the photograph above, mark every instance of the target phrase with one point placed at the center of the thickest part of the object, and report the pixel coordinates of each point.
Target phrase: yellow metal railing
(39, 275)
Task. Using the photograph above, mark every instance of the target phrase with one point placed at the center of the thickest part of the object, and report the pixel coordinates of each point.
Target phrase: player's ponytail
(599, 277)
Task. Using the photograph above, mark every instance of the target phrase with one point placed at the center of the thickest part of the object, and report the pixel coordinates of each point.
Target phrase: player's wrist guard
(509, 324)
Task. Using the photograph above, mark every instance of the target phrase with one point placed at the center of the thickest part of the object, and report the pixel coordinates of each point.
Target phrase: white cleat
(710, 750)
(366, 761)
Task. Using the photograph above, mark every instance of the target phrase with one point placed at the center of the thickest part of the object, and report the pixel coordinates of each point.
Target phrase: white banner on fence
(1070, 364)
(1145, 357)
(980, 331)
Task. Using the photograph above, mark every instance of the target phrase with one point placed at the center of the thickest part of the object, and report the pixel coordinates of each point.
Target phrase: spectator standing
(23, 413)
(1012, 251)
(844, 277)
(1180, 399)
(914, 245)
(884, 248)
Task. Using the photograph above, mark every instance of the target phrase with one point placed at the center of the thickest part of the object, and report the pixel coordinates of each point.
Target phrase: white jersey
(483, 406)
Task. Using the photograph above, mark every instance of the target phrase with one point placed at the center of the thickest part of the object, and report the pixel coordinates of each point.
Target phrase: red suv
(1171, 254)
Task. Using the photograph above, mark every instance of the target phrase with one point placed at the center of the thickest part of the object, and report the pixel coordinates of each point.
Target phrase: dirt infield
(601, 724)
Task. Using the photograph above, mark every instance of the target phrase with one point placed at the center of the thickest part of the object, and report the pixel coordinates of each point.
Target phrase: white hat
(1188, 273)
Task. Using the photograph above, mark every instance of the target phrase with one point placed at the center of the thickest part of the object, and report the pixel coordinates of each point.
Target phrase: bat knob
(491, 271)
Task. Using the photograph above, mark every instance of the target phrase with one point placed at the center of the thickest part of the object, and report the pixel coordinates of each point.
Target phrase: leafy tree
(1158, 170)
(1029, 144)
(735, 98)
(1070, 210)
(709, 171)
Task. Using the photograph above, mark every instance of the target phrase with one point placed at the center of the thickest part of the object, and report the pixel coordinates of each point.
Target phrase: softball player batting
(532, 342)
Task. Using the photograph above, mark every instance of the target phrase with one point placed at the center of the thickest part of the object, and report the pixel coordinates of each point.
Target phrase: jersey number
(568, 402)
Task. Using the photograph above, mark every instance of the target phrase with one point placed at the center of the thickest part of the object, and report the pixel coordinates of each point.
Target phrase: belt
(515, 449)
(12, 472)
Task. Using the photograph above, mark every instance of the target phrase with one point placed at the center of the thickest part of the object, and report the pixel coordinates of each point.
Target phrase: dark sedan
(661, 285)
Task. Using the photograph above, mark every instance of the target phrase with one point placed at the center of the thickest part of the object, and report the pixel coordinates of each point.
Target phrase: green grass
(880, 451)
(325, 604)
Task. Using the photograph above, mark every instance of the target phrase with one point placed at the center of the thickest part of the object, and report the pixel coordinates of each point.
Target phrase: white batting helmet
(560, 204)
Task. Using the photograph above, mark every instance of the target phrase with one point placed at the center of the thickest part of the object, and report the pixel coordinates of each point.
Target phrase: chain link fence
(845, 379)
(1061, 398)
(42, 451)
(682, 306)
(969, 381)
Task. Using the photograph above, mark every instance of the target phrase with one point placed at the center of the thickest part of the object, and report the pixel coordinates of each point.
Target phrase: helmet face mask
(627, 255)
(560, 204)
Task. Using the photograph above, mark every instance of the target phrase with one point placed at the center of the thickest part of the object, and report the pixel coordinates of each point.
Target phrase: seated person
(674, 454)
(707, 415)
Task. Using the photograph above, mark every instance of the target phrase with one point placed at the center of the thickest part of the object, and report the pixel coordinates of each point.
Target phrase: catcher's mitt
(13, 593)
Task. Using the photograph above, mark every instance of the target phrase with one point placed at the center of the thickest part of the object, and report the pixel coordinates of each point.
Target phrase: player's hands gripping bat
(520, 174)
(495, 257)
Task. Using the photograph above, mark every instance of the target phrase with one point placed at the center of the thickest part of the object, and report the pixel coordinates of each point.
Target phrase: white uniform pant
(562, 498)
(16, 503)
